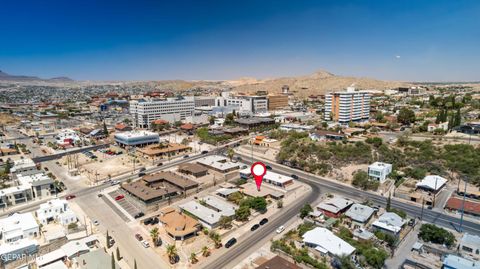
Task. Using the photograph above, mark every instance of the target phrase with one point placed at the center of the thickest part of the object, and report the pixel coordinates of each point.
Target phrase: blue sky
(145, 40)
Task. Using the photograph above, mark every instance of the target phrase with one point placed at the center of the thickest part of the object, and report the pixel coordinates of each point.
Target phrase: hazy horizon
(412, 41)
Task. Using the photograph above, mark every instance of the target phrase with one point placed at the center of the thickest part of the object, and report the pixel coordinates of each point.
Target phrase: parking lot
(124, 203)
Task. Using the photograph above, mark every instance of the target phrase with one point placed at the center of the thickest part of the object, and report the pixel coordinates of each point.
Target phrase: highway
(438, 218)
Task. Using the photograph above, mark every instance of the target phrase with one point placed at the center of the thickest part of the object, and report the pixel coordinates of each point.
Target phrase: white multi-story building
(171, 109)
(379, 171)
(251, 104)
(56, 210)
(347, 106)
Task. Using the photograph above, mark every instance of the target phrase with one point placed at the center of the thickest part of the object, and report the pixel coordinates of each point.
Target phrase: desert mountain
(313, 84)
(8, 77)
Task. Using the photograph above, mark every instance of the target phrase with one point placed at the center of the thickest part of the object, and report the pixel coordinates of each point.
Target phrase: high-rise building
(347, 106)
(171, 109)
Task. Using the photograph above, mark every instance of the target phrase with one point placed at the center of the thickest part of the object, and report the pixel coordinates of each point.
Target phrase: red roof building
(455, 204)
(187, 127)
(159, 122)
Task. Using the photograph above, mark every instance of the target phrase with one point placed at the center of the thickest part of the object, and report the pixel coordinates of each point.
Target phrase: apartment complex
(347, 106)
(171, 109)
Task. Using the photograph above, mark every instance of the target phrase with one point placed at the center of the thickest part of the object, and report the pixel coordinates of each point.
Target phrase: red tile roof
(159, 121)
(187, 126)
(470, 207)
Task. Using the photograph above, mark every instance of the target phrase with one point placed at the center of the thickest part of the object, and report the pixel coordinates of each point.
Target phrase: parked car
(159, 164)
(115, 182)
(204, 151)
(186, 156)
(254, 227)
(411, 222)
(268, 167)
(95, 222)
(147, 221)
(155, 221)
(263, 221)
(100, 195)
(294, 176)
(231, 242)
(145, 244)
(139, 237)
(70, 197)
(139, 215)
(111, 241)
(141, 174)
(119, 197)
(280, 229)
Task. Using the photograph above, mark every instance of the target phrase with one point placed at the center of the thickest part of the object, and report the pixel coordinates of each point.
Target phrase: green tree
(458, 118)
(279, 204)
(172, 253)
(242, 213)
(217, 240)
(154, 235)
(306, 209)
(437, 235)
(211, 119)
(230, 153)
(235, 197)
(406, 116)
(105, 130)
(225, 222)
(229, 119)
(193, 258)
(205, 251)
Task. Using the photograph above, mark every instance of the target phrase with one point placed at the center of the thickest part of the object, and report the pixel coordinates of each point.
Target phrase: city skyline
(147, 40)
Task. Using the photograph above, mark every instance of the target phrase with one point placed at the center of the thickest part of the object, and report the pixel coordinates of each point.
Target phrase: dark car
(263, 221)
(204, 151)
(139, 237)
(148, 221)
(159, 164)
(155, 221)
(139, 215)
(231, 242)
(141, 174)
(294, 176)
(70, 197)
(411, 222)
(186, 156)
(254, 227)
(100, 195)
(268, 167)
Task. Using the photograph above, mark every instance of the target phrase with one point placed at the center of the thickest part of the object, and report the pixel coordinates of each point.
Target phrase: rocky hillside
(316, 83)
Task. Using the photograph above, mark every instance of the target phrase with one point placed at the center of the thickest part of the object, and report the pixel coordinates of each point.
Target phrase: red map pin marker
(258, 170)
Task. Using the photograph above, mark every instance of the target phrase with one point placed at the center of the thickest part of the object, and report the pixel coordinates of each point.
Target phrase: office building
(136, 138)
(347, 106)
(250, 104)
(171, 109)
(277, 102)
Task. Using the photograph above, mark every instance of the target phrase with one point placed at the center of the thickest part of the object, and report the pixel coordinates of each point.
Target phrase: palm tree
(193, 258)
(154, 236)
(205, 251)
(216, 239)
(230, 153)
(172, 253)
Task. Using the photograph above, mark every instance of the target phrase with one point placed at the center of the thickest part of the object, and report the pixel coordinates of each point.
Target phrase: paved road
(227, 258)
(438, 218)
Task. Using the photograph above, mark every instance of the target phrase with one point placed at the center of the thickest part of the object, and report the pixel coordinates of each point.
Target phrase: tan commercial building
(163, 150)
(178, 226)
(277, 102)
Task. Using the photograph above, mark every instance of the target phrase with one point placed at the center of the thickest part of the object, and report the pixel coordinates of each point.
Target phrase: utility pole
(463, 205)
(435, 193)
(423, 206)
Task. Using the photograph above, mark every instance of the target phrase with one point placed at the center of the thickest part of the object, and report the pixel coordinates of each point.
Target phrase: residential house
(470, 245)
(359, 215)
(390, 223)
(379, 171)
(334, 207)
(327, 243)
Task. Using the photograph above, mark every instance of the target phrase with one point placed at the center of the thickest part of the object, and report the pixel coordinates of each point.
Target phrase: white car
(280, 229)
(145, 244)
(95, 222)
